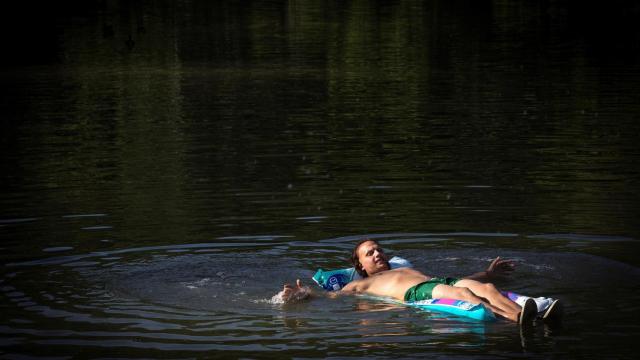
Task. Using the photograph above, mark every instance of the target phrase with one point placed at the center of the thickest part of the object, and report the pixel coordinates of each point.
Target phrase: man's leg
(489, 292)
(463, 293)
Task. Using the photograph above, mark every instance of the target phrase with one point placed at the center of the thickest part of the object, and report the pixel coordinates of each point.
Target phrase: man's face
(372, 258)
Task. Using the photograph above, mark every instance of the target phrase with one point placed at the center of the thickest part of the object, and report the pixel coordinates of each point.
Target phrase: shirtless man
(408, 284)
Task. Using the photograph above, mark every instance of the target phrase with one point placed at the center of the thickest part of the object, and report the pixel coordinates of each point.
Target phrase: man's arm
(351, 287)
(299, 292)
(497, 268)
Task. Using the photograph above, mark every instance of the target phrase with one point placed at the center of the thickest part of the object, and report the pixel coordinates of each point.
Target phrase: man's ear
(360, 269)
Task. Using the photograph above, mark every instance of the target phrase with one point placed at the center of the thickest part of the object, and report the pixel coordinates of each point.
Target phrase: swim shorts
(423, 290)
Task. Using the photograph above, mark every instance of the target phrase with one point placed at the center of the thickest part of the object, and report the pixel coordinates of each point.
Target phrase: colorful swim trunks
(424, 290)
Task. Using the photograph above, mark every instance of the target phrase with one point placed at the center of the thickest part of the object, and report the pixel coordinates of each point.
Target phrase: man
(408, 284)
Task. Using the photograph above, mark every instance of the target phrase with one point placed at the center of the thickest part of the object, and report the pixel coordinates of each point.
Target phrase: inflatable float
(334, 280)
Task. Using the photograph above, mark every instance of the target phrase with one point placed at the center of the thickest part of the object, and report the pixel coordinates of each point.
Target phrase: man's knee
(490, 288)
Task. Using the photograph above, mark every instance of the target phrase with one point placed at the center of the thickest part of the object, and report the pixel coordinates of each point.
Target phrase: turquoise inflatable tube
(455, 307)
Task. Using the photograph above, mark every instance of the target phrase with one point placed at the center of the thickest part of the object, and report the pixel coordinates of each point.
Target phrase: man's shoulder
(353, 285)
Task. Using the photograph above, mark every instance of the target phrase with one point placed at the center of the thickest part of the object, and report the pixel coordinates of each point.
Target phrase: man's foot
(528, 312)
(554, 311)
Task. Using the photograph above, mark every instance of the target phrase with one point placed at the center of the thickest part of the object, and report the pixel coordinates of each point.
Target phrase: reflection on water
(166, 166)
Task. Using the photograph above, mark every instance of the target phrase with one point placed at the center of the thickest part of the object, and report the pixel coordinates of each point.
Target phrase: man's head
(368, 258)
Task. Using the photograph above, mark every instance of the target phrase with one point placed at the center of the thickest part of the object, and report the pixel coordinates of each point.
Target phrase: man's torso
(393, 283)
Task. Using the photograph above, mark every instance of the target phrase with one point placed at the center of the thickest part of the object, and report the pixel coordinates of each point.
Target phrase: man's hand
(290, 294)
(500, 267)
(497, 268)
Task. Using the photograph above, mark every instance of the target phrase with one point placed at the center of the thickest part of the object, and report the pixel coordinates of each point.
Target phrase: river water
(167, 166)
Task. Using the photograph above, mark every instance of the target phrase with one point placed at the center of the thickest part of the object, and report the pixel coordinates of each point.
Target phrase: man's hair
(356, 261)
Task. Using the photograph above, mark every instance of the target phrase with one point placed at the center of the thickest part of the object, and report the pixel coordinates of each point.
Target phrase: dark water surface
(167, 166)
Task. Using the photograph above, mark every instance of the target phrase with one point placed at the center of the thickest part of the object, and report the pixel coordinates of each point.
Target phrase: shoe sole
(528, 312)
(554, 312)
